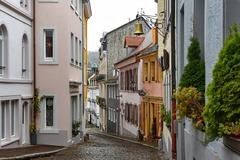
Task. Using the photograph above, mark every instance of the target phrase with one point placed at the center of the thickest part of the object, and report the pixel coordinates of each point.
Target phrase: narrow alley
(100, 147)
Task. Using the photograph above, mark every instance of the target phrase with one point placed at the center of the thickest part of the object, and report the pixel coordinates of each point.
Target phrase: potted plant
(222, 112)
(33, 134)
(75, 128)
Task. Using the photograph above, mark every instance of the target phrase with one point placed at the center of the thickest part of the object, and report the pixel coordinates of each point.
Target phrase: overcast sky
(110, 14)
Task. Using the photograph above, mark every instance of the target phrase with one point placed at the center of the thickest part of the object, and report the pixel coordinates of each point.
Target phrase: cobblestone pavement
(101, 147)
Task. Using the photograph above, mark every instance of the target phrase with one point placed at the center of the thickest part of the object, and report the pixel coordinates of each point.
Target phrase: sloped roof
(131, 41)
(146, 45)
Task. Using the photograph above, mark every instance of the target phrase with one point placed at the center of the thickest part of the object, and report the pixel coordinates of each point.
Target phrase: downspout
(174, 152)
(34, 57)
(83, 68)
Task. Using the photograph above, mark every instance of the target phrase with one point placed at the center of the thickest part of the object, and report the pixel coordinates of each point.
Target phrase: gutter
(173, 50)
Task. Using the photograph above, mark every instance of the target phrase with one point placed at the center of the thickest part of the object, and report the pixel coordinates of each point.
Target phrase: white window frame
(45, 106)
(76, 49)
(80, 8)
(3, 53)
(75, 108)
(80, 52)
(72, 41)
(13, 106)
(25, 56)
(5, 119)
(76, 7)
(43, 128)
(44, 45)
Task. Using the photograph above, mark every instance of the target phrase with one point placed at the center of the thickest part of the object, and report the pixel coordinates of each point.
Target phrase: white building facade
(16, 73)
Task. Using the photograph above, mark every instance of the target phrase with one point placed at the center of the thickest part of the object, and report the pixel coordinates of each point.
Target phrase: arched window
(25, 59)
(3, 50)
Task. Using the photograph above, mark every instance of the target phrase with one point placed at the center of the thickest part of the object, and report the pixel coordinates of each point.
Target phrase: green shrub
(163, 113)
(194, 72)
(190, 105)
(222, 111)
(168, 119)
(75, 128)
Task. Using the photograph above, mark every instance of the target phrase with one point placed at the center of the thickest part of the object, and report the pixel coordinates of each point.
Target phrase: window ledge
(49, 131)
(6, 142)
(76, 66)
(17, 81)
(49, 63)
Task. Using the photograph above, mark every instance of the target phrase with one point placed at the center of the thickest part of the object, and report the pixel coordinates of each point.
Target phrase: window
(152, 71)
(121, 81)
(1, 51)
(80, 8)
(76, 5)
(127, 80)
(80, 53)
(76, 51)
(49, 111)
(24, 56)
(114, 116)
(3, 117)
(48, 44)
(109, 115)
(145, 72)
(72, 48)
(136, 115)
(3, 55)
(131, 80)
(13, 105)
(135, 84)
(126, 112)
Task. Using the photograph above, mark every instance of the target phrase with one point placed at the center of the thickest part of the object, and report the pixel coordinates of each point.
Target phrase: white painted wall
(14, 86)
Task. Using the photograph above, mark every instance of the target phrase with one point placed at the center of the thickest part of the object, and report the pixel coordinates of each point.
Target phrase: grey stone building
(113, 48)
(209, 21)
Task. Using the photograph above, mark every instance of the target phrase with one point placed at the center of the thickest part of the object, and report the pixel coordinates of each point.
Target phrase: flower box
(232, 142)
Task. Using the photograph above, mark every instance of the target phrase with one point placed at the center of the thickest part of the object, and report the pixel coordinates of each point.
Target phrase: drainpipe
(34, 56)
(174, 152)
(83, 68)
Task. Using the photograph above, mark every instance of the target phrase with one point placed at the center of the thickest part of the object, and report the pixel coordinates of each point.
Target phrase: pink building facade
(59, 70)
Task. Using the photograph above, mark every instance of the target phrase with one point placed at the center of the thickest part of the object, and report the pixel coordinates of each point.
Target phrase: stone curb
(33, 155)
(125, 139)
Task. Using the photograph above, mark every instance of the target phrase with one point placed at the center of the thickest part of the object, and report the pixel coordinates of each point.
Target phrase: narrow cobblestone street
(101, 147)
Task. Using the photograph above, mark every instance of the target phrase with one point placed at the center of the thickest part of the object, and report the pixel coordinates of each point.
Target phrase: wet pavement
(100, 147)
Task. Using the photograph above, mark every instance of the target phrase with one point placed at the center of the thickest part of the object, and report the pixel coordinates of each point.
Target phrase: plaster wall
(47, 74)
